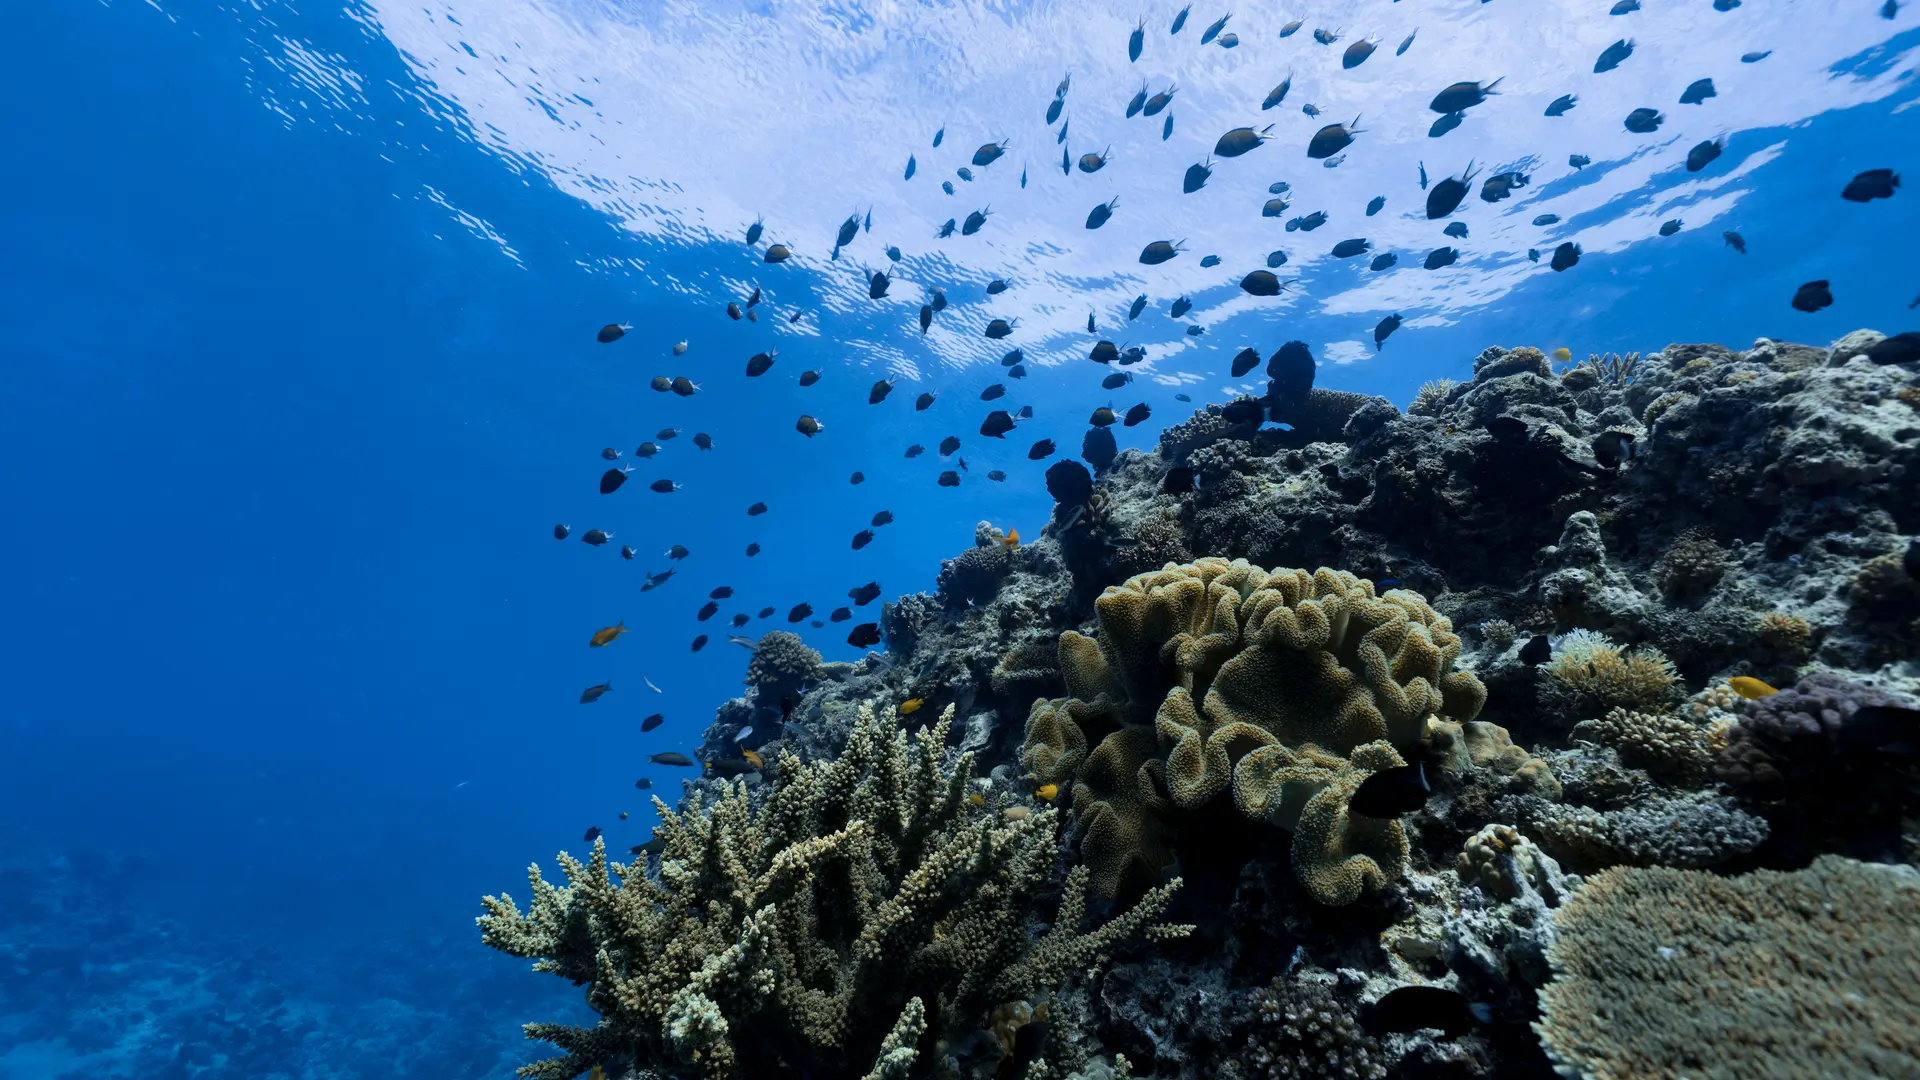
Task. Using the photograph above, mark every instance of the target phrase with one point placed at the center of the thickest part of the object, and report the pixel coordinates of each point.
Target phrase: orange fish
(1750, 688)
(752, 758)
(911, 706)
(1013, 538)
(606, 635)
(977, 799)
(1048, 791)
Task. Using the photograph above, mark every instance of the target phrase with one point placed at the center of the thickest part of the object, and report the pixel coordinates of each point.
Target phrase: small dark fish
(592, 693)
(1423, 176)
(1092, 327)
(1139, 305)
(611, 480)
(758, 363)
(1755, 57)
(1390, 793)
(1310, 109)
(740, 619)
(754, 230)
(1244, 361)
(1139, 101)
(1445, 197)
(840, 614)
(974, 221)
(646, 450)
(1178, 481)
(593, 833)
(765, 612)
(1012, 358)
(878, 284)
(1812, 296)
(1090, 163)
(1375, 204)
(1228, 40)
(1053, 109)
(1166, 129)
(938, 135)
(1703, 154)
(1159, 101)
(756, 509)
(1541, 221)
(1670, 226)
(1456, 229)
(1066, 162)
(863, 595)
(1243, 411)
(857, 478)
(654, 581)
(1357, 54)
(1698, 91)
(1383, 261)
(964, 173)
(652, 722)
(1644, 121)
(1278, 94)
(1405, 45)
(1462, 96)
(671, 758)
(610, 454)
(1102, 417)
(778, 253)
(1332, 139)
(1042, 449)
(949, 479)
(596, 537)
(1729, 5)
(1261, 283)
(1195, 330)
(1624, 7)
(1612, 55)
(948, 445)
(862, 539)
(1870, 185)
(1579, 161)
(1347, 249)
(921, 403)
(991, 393)
(808, 426)
(1500, 185)
(1386, 583)
(799, 611)
(884, 517)
(1735, 241)
(1159, 251)
(926, 317)
(684, 386)
(1276, 259)
(1325, 36)
(664, 486)
(660, 384)
(1290, 28)
(1101, 214)
(707, 611)
(1440, 257)
(1240, 140)
(947, 228)
(1180, 20)
(996, 475)
(1445, 124)
(1180, 307)
(990, 153)
(1538, 650)
(1412, 1008)
(1273, 208)
(1384, 329)
(1213, 31)
(1508, 429)
(1613, 448)
(1562, 105)
(703, 440)
(997, 424)
(1196, 178)
(1137, 415)
(699, 643)
(627, 552)
(994, 288)
(1000, 328)
(915, 450)
(1291, 368)
(1313, 221)
(912, 166)
(880, 391)
(612, 332)
(677, 551)
(1116, 380)
(864, 635)
(1903, 348)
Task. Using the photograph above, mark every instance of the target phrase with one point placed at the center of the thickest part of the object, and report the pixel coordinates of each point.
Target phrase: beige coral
(864, 901)
(1661, 743)
(1221, 675)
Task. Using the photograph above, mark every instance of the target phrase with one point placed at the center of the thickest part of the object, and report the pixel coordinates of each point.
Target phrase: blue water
(299, 372)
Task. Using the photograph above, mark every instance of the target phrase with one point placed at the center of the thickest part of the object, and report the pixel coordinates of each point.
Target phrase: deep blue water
(299, 372)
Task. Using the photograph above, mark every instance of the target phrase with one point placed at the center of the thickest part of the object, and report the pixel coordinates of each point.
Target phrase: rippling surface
(301, 371)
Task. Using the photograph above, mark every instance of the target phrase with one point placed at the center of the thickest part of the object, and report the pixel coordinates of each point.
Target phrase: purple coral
(1793, 736)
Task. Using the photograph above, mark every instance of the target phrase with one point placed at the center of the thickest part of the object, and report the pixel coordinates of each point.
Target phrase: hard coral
(1266, 683)
(860, 911)
(782, 664)
(1302, 1032)
(1667, 973)
(1504, 863)
(1589, 677)
(1661, 743)
(1691, 566)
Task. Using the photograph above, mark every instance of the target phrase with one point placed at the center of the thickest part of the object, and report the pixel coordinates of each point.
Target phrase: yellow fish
(1562, 355)
(753, 758)
(1047, 791)
(1013, 538)
(1750, 688)
(598, 1073)
(606, 635)
(911, 706)
(977, 799)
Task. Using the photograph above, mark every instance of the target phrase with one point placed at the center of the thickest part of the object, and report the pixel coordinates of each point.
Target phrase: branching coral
(1670, 973)
(1286, 688)
(1431, 396)
(1614, 369)
(1661, 743)
(862, 910)
(1301, 1031)
(1591, 675)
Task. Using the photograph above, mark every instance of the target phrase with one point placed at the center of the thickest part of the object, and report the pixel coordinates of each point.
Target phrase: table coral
(862, 909)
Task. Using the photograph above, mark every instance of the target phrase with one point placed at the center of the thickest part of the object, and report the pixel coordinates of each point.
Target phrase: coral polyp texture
(862, 911)
(1676, 973)
(1287, 688)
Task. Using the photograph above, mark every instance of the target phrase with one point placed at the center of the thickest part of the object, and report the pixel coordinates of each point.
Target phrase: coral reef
(860, 912)
(1674, 524)
(1663, 972)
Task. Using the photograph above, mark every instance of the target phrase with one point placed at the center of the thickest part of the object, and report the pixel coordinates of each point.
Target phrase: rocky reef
(1440, 719)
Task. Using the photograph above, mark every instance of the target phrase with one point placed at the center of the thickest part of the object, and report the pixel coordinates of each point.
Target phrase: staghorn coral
(862, 908)
(1302, 1032)
(1285, 687)
(1614, 370)
(1673, 973)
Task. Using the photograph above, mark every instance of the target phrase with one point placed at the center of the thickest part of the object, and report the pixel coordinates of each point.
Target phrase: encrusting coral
(865, 909)
(1671, 973)
(1287, 688)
